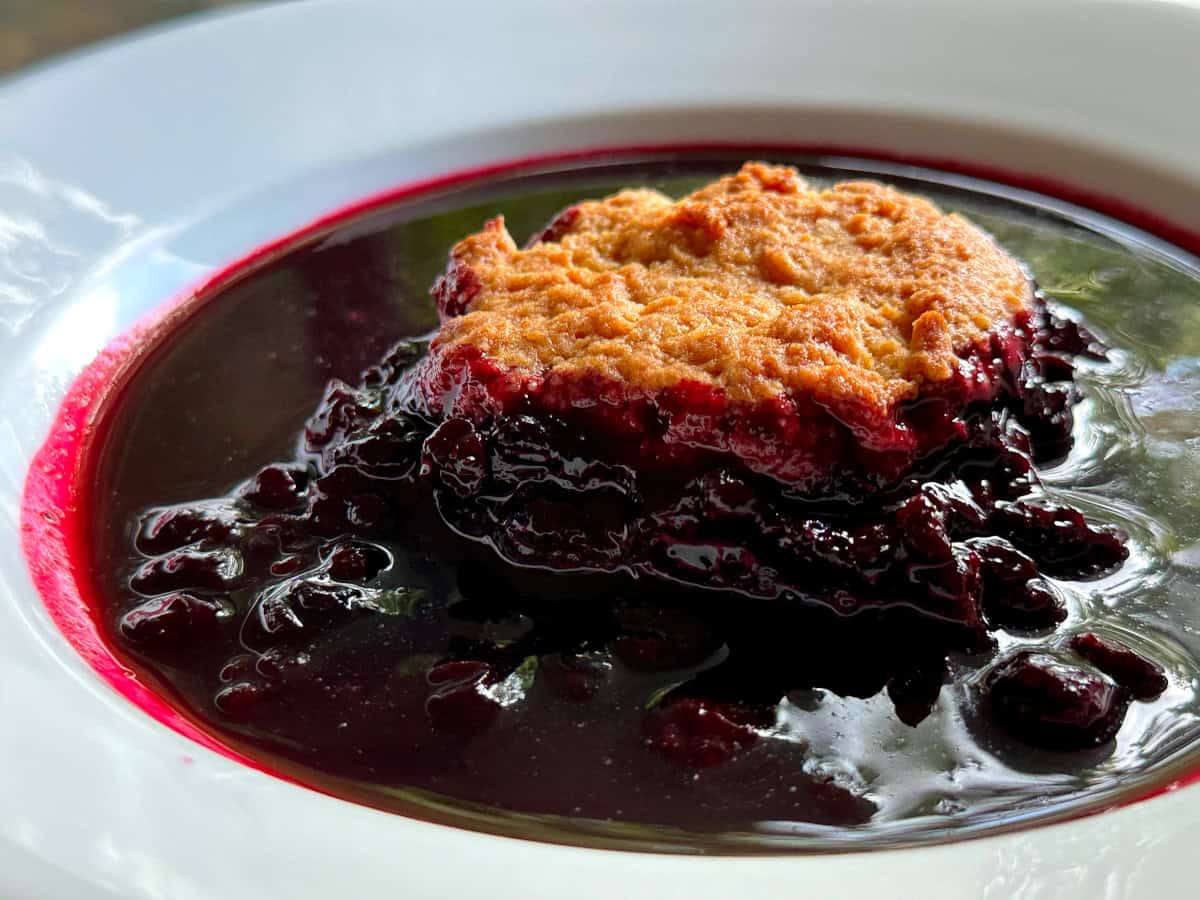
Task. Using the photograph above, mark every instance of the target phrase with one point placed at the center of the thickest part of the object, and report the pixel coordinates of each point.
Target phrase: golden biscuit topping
(756, 284)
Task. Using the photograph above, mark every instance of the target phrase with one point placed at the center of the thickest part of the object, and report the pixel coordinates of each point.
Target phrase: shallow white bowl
(128, 173)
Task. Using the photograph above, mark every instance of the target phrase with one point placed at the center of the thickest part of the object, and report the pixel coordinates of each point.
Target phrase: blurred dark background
(31, 30)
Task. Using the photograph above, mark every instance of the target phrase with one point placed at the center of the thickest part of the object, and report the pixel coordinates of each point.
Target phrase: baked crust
(756, 285)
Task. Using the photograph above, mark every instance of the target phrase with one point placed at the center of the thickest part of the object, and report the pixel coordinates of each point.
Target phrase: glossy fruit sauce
(456, 624)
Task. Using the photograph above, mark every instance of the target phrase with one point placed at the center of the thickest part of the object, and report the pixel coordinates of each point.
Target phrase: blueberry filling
(590, 610)
(955, 549)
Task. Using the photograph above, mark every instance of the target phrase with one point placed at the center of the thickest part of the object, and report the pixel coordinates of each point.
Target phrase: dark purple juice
(351, 605)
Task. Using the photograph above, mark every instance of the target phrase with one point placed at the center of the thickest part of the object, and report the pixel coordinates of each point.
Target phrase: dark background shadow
(31, 30)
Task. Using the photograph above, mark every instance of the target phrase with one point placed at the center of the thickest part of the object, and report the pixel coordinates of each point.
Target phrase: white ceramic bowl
(129, 173)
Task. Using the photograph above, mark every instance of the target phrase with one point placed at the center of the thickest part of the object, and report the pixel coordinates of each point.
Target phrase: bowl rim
(344, 172)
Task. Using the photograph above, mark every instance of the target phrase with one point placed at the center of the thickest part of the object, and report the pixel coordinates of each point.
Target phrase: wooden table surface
(31, 30)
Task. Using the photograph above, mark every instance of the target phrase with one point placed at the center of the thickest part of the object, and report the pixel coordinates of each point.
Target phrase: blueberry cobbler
(718, 511)
(824, 399)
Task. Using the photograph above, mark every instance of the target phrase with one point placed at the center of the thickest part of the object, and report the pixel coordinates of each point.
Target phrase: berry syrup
(516, 624)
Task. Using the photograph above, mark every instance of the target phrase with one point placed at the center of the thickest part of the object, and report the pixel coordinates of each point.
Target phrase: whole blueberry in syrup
(1054, 703)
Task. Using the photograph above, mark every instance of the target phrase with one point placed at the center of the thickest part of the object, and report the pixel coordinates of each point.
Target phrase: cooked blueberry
(241, 699)
(578, 535)
(699, 733)
(454, 290)
(283, 664)
(1054, 366)
(1065, 335)
(1046, 413)
(277, 613)
(1061, 539)
(560, 225)
(950, 590)
(197, 569)
(1034, 607)
(922, 527)
(173, 619)
(307, 602)
(356, 561)
(275, 487)
(388, 449)
(1143, 678)
(456, 455)
(342, 410)
(1014, 596)
(1003, 562)
(1051, 703)
(402, 355)
(523, 445)
(236, 668)
(170, 529)
(288, 565)
(727, 495)
(915, 690)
